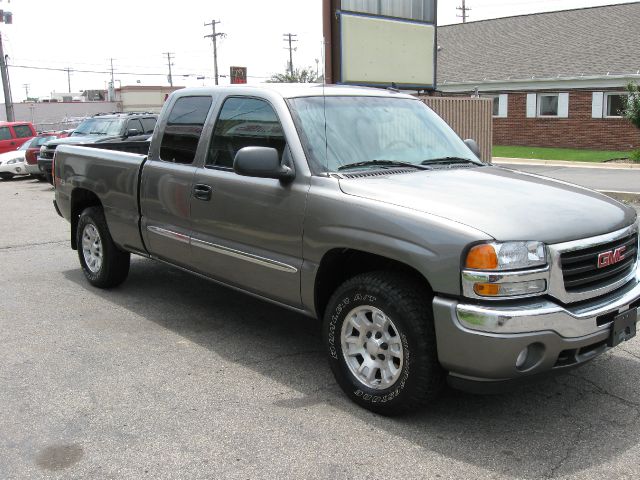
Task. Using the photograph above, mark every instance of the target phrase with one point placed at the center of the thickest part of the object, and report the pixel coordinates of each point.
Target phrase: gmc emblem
(611, 257)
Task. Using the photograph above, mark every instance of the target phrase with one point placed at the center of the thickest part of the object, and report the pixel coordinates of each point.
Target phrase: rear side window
(23, 131)
(148, 124)
(5, 133)
(244, 122)
(183, 130)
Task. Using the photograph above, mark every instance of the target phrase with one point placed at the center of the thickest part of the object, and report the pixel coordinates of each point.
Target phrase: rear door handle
(202, 192)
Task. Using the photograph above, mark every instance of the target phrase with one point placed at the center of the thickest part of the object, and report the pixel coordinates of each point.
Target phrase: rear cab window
(184, 128)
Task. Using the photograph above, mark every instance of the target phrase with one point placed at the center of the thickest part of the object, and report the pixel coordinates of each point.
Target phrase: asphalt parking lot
(169, 376)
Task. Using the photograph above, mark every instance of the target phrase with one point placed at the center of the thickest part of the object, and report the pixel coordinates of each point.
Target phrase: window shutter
(563, 105)
(597, 104)
(531, 105)
(503, 103)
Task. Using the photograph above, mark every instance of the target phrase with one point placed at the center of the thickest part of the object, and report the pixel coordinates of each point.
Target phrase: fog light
(522, 358)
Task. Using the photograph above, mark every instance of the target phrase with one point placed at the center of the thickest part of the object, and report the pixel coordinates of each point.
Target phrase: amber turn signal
(487, 289)
(482, 257)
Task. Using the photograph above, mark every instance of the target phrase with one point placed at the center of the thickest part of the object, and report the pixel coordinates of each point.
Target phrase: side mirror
(261, 162)
(132, 132)
(473, 146)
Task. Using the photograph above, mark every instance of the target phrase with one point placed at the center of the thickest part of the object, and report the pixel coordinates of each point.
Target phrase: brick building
(557, 79)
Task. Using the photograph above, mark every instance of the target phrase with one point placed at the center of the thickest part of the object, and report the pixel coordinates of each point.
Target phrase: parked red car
(14, 134)
(31, 156)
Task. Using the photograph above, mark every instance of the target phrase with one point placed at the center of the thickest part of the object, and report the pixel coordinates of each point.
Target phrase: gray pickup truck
(363, 208)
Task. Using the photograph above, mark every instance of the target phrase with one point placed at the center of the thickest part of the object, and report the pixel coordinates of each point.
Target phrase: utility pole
(8, 101)
(68, 69)
(111, 94)
(26, 89)
(464, 10)
(288, 38)
(169, 58)
(214, 36)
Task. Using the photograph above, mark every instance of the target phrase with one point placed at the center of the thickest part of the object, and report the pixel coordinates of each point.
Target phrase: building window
(615, 104)
(499, 105)
(548, 105)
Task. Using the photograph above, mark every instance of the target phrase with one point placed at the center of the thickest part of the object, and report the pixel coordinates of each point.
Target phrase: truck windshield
(99, 126)
(367, 132)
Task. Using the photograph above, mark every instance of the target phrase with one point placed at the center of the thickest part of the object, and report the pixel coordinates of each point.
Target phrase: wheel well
(339, 265)
(81, 199)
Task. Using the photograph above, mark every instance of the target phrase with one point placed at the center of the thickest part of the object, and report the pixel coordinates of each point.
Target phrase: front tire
(103, 263)
(380, 337)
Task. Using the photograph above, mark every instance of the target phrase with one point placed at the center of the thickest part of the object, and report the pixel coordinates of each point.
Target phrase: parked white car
(13, 163)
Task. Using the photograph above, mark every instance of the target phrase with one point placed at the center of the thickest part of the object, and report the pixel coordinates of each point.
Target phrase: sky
(86, 34)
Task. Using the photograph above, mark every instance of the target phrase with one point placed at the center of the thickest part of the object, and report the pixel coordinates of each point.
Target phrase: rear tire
(102, 262)
(379, 334)
(6, 176)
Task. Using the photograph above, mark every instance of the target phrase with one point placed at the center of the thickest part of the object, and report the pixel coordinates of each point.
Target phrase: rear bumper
(479, 344)
(32, 169)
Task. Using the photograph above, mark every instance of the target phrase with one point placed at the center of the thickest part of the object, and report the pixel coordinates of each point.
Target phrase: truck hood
(505, 204)
(82, 140)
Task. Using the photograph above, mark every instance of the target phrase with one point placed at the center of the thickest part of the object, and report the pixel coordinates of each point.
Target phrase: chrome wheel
(372, 347)
(92, 248)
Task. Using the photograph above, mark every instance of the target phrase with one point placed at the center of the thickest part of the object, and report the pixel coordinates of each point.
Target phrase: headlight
(15, 160)
(42, 150)
(506, 256)
(510, 269)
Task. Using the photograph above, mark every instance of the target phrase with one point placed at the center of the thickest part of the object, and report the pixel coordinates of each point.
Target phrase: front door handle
(202, 192)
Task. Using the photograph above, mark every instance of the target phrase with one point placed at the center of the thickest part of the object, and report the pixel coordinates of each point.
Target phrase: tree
(306, 75)
(632, 112)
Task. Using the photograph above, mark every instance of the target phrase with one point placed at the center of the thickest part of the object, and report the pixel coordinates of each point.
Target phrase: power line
(288, 38)
(214, 37)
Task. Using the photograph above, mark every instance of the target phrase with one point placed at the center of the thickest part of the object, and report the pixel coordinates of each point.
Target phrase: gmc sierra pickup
(363, 208)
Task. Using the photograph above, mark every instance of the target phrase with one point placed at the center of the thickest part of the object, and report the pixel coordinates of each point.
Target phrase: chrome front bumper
(480, 343)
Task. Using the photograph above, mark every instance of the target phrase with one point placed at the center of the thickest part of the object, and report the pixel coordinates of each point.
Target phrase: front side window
(23, 131)
(366, 129)
(616, 104)
(244, 122)
(548, 105)
(5, 133)
(184, 128)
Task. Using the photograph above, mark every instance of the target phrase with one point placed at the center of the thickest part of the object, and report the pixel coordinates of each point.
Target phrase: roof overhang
(529, 84)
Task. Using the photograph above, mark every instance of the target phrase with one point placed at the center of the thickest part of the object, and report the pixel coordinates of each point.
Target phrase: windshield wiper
(385, 163)
(448, 160)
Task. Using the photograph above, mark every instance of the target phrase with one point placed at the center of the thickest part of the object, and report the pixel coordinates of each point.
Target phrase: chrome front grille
(574, 274)
(48, 153)
(581, 269)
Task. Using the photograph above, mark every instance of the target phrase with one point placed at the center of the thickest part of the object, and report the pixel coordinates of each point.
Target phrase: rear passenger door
(167, 179)
(248, 231)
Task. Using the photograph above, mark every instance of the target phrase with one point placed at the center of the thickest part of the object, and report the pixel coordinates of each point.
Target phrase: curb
(624, 197)
(564, 163)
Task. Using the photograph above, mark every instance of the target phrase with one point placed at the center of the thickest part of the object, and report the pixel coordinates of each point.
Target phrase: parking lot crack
(36, 244)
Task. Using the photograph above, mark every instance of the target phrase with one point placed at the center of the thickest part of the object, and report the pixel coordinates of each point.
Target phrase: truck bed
(113, 176)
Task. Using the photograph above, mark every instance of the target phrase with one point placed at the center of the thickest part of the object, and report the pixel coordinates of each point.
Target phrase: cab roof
(293, 90)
